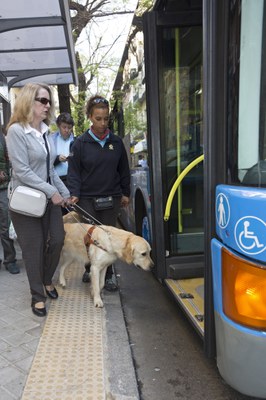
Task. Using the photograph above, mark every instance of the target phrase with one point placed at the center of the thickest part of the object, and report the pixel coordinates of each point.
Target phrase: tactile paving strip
(68, 363)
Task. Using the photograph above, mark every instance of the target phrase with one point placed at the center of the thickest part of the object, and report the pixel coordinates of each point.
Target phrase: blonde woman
(32, 156)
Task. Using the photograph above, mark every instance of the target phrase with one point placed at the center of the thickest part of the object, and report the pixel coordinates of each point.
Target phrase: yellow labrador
(101, 246)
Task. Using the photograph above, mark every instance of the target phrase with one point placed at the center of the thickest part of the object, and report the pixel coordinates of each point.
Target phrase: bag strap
(47, 158)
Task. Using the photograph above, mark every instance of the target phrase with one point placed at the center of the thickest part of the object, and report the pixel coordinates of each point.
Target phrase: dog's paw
(62, 282)
(98, 302)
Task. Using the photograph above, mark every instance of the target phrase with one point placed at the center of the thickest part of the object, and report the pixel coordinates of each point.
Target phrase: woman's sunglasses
(99, 100)
(43, 100)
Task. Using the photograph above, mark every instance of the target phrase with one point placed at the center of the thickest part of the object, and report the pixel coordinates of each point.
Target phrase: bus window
(251, 165)
(182, 133)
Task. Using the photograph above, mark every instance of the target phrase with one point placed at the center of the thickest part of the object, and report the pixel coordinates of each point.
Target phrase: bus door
(174, 144)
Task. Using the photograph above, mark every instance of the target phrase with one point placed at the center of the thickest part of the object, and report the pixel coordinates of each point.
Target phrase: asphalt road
(167, 352)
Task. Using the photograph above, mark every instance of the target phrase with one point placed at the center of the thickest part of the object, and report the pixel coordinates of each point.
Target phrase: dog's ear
(127, 251)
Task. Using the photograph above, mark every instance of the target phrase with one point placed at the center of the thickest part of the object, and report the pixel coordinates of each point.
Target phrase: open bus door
(173, 60)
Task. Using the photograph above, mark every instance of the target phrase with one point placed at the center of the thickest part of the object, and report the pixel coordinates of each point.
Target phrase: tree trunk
(64, 98)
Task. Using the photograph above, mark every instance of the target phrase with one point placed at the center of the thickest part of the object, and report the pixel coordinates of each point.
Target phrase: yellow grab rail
(177, 183)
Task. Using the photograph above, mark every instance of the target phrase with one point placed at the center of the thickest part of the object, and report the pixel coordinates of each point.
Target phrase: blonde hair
(23, 108)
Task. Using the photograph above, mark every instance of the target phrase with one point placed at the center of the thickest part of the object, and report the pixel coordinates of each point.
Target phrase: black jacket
(96, 171)
(4, 163)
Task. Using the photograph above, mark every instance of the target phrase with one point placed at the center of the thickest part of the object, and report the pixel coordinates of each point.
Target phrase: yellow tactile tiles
(69, 363)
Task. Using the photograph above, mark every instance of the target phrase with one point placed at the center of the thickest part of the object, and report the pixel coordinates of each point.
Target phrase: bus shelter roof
(36, 43)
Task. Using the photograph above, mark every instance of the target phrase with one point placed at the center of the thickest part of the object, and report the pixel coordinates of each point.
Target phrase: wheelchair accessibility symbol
(250, 235)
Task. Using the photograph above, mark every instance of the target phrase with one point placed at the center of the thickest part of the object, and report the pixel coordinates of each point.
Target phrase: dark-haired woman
(98, 169)
(63, 139)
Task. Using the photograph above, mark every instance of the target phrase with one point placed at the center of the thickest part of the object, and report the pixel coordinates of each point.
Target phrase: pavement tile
(18, 339)
(4, 395)
(26, 324)
(2, 323)
(25, 364)
(16, 386)
(14, 354)
(32, 345)
(3, 345)
(8, 331)
(3, 363)
(10, 317)
(36, 332)
(8, 374)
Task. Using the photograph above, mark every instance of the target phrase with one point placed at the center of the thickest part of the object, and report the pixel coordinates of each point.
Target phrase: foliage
(127, 83)
(134, 125)
(87, 17)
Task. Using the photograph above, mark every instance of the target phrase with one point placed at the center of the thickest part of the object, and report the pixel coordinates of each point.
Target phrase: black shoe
(40, 312)
(12, 268)
(52, 293)
(86, 277)
(110, 284)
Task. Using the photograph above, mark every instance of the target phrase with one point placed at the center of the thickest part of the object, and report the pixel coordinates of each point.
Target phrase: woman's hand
(124, 201)
(57, 200)
(74, 199)
(62, 158)
(68, 201)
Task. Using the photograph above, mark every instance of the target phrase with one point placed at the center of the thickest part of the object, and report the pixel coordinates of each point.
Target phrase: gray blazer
(28, 160)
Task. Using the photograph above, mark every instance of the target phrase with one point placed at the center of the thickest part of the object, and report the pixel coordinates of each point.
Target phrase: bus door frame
(215, 110)
(154, 22)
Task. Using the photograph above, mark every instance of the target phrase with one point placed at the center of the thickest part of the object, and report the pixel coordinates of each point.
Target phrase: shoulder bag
(28, 201)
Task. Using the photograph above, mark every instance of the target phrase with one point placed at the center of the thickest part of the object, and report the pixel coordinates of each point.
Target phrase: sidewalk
(77, 352)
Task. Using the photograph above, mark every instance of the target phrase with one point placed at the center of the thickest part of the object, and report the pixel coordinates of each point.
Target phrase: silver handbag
(28, 201)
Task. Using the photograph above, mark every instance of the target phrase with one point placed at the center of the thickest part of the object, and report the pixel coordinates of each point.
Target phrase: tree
(128, 117)
(84, 14)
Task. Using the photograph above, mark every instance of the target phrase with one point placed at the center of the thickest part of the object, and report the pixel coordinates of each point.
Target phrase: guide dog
(101, 245)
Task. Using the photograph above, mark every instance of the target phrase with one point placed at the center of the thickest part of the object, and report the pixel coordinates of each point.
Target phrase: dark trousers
(105, 217)
(7, 243)
(64, 180)
(41, 241)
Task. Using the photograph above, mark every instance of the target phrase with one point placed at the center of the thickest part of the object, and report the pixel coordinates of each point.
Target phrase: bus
(201, 202)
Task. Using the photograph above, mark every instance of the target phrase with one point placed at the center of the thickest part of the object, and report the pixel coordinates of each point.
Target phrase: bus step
(186, 296)
(199, 317)
(189, 294)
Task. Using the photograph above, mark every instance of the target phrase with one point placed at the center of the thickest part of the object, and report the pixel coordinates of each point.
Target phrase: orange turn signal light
(244, 291)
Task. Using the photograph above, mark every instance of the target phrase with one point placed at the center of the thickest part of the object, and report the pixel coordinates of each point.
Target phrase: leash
(88, 237)
(91, 220)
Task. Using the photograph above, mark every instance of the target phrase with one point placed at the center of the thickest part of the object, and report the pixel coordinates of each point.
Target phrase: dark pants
(7, 243)
(105, 217)
(64, 180)
(41, 241)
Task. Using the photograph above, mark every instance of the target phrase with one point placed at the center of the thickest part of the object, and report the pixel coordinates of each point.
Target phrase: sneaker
(110, 284)
(12, 268)
(86, 277)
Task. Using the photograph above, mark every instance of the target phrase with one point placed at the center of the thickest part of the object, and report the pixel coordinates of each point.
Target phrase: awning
(36, 43)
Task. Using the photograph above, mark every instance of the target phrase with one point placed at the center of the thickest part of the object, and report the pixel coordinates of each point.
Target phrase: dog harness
(88, 239)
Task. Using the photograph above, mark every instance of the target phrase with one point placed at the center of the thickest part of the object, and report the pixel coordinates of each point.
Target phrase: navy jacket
(96, 171)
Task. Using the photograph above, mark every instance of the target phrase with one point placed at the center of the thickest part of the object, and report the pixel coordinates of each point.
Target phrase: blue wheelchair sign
(250, 233)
